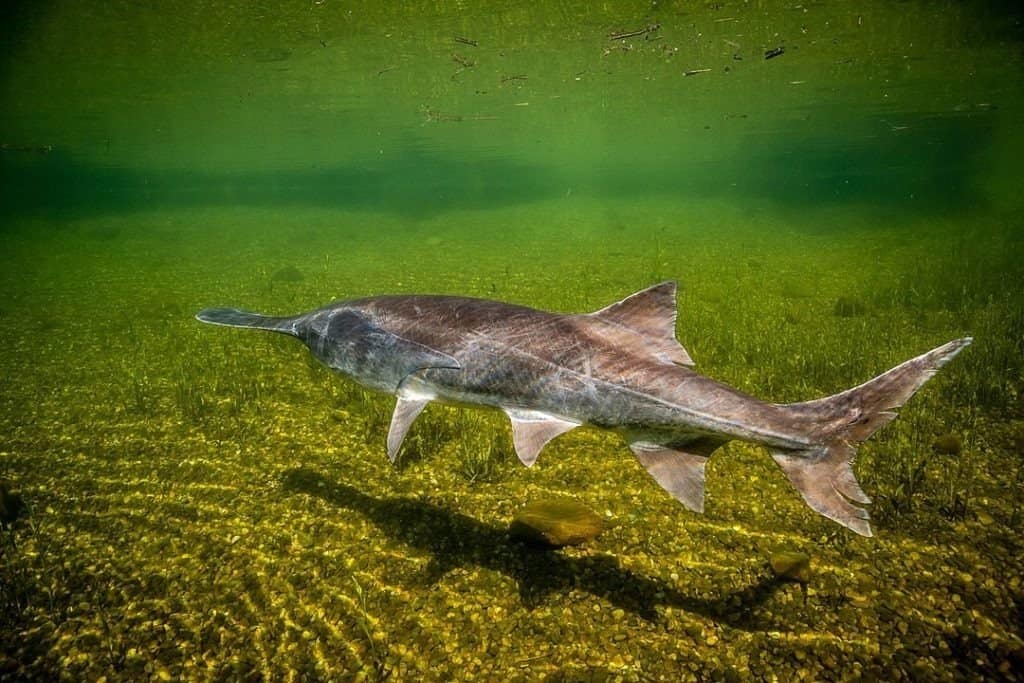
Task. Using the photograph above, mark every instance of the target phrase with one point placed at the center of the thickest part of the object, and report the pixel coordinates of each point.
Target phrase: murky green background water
(208, 504)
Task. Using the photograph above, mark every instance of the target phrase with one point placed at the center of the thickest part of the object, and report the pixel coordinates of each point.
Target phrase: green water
(211, 504)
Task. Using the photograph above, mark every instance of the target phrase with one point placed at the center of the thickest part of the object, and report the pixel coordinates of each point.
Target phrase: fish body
(619, 368)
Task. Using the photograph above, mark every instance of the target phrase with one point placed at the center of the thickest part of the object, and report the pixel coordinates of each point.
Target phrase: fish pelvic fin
(823, 472)
(407, 408)
(532, 430)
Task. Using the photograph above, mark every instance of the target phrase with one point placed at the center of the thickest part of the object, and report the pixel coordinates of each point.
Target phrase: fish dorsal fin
(678, 469)
(651, 313)
(407, 409)
(531, 431)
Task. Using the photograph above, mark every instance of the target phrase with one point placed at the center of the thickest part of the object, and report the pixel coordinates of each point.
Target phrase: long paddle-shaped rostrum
(619, 368)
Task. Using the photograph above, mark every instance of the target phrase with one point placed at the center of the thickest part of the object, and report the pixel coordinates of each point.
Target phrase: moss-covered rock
(791, 565)
(555, 522)
(947, 444)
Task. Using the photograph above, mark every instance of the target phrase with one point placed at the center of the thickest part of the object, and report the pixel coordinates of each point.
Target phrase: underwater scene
(759, 203)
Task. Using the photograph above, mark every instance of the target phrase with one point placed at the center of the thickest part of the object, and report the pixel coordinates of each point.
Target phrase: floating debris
(435, 115)
(555, 522)
(270, 54)
(694, 72)
(466, 41)
(774, 52)
(622, 35)
(32, 149)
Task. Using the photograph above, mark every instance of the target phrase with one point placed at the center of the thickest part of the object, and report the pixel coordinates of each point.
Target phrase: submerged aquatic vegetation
(373, 637)
(374, 410)
(190, 395)
(482, 451)
(848, 307)
(441, 592)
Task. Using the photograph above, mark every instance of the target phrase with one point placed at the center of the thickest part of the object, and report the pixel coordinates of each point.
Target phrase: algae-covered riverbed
(204, 503)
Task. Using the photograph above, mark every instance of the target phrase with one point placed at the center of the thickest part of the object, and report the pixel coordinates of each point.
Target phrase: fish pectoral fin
(406, 410)
(678, 471)
(531, 431)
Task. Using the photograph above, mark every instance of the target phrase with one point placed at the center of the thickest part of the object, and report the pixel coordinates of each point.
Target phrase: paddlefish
(620, 368)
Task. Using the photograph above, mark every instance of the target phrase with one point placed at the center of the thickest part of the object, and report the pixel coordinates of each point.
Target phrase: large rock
(555, 522)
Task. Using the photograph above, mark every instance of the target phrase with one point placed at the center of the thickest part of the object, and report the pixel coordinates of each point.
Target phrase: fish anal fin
(678, 469)
(649, 314)
(532, 430)
(407, 409)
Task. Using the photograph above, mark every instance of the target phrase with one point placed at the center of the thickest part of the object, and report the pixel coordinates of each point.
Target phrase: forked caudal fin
(823, 473)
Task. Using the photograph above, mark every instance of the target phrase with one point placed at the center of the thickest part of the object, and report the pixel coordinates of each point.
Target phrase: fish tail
(232, 317)
(823, 472)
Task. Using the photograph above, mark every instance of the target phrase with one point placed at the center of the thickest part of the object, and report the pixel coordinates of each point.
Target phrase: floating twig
(514, 77)
(466, 41)
(435, 115)
(774, 52)
(694, 72)
(41, 149)
(386, 69)
(622, 35)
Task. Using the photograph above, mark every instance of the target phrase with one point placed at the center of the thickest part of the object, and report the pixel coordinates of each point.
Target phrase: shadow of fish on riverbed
(456, 540)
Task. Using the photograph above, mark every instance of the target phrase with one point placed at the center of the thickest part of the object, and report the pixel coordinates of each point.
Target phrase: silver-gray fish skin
(619, 368)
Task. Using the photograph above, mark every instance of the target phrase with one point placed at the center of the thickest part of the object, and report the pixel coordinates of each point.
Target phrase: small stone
(947, 444)
(791, 565)
(288, 274)
(555, 522)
